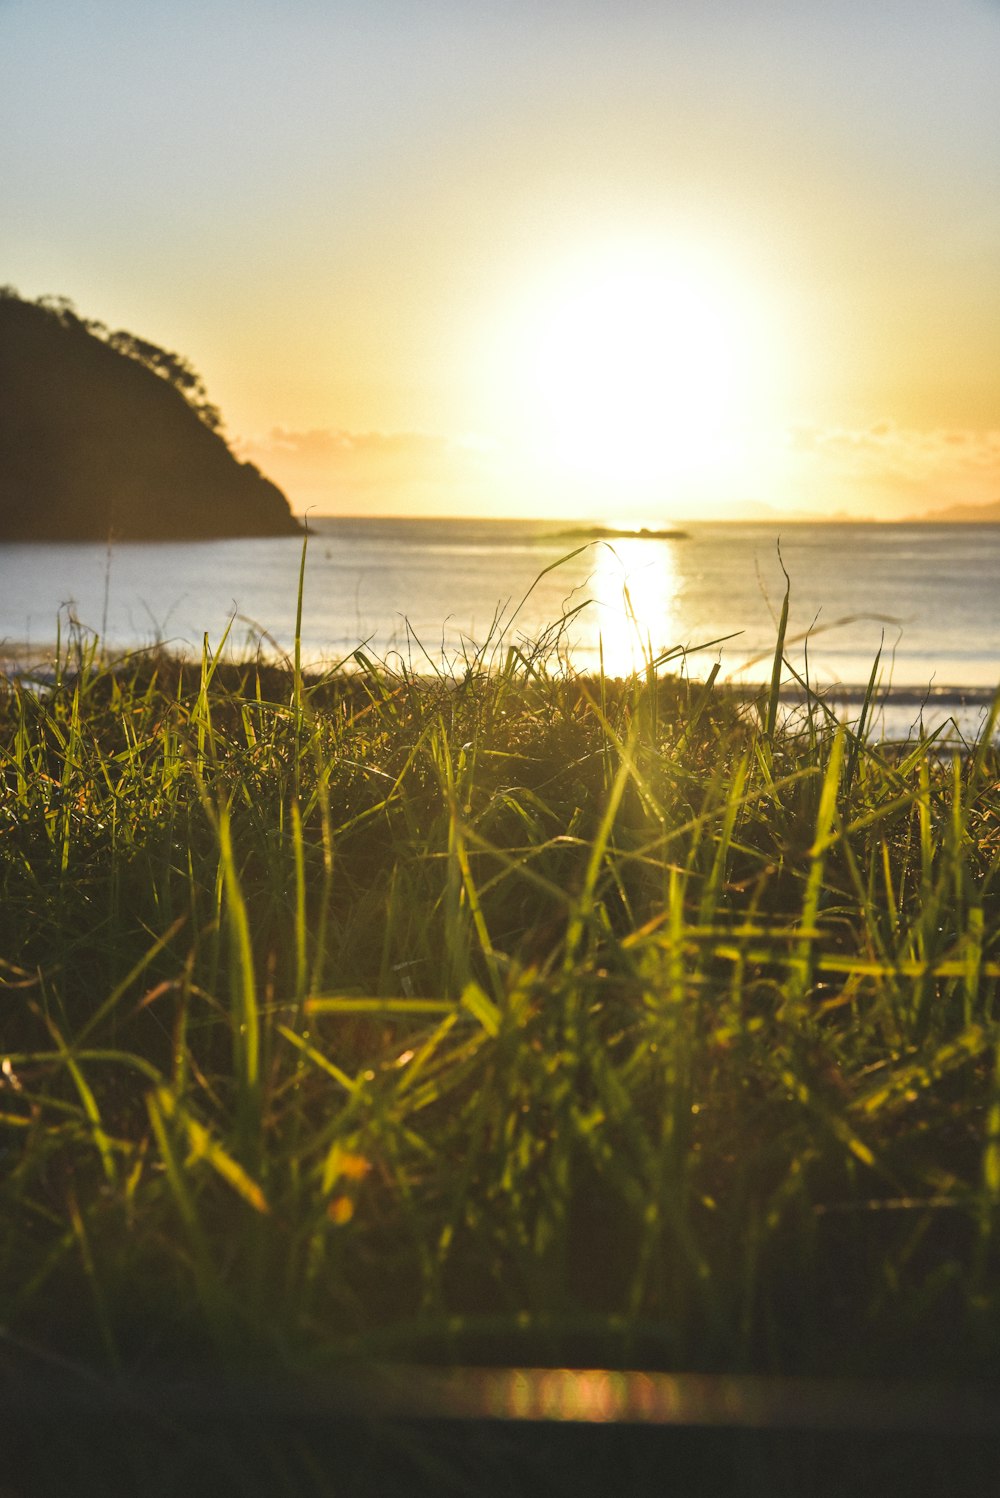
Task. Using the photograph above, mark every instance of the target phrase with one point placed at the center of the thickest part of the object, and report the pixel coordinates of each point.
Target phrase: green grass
(513, 1016)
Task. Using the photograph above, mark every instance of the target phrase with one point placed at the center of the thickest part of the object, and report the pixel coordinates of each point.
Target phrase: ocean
(438, 593)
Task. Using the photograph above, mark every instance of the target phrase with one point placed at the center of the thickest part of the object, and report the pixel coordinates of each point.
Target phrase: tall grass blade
(774, 691)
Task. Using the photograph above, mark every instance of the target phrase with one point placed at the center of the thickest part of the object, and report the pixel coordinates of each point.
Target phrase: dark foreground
(519, 1021)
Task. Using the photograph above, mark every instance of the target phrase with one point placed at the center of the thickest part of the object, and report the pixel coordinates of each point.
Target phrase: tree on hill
(107, 433)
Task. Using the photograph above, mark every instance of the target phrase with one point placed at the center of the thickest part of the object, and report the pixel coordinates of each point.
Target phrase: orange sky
(584, 258)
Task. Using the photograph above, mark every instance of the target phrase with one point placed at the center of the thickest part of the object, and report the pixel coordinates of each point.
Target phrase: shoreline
(20, 659)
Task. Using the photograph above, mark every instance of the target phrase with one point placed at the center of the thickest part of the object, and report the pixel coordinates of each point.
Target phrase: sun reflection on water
(633, 619)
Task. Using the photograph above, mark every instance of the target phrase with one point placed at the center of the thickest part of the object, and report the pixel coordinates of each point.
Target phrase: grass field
(507, 1017)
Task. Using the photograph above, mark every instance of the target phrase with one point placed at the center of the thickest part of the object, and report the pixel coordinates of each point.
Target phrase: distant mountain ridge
(983, 514)
(105, 434)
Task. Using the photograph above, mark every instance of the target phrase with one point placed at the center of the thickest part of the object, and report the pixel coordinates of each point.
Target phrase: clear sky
(606, 257)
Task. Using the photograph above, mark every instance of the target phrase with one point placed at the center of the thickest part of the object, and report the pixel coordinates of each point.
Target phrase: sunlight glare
(641, 366)
(634, 587)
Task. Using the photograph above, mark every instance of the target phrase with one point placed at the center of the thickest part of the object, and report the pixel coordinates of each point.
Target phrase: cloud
(899, 466)
(336, 470)
(332, 442)
(981, 449)
(879, 470)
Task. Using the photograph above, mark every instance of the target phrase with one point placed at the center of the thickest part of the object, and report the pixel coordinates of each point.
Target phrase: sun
(638, 366)
(634, 374)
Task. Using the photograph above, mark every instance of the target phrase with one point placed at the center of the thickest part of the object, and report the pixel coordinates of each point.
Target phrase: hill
(104, 434)
(981, 514)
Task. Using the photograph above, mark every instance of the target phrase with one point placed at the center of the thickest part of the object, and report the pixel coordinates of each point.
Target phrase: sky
(599, 258)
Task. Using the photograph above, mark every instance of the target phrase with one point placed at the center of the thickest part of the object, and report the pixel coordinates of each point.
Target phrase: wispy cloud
(900, 468)
(879, 470)
(337, 470)
(335, 443)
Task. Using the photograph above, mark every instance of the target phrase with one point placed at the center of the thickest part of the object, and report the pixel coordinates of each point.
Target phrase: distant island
(612, 533)
(103, 434)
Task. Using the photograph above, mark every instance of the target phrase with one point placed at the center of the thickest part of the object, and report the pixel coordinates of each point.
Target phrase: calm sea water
(433, 590)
